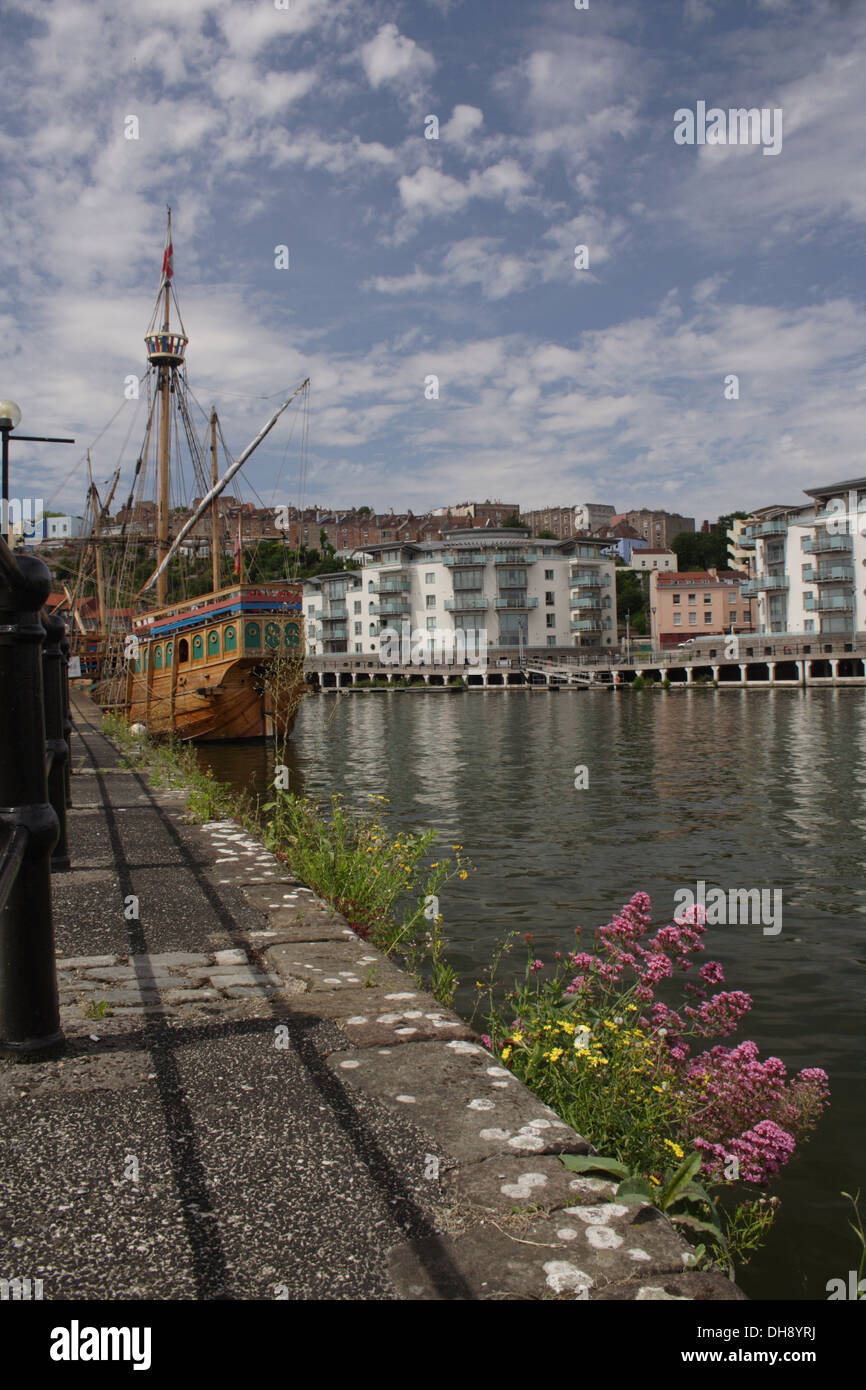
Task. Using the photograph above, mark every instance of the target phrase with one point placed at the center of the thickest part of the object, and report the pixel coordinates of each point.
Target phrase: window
(809, 625)
(430, 578)
(708, 617)
(693, 618)
(358, 629)
(371, 586)
(311, 610)
(548, 598)
(431, 624)
(431, 600)
(678, 618)
(708, 598)
(693, 598)
(676, 598)
(371, 608)
(356, 607)
(372, 629)
(548, 574)
(551, 619)
(358, 647)
(732, 615)
(551, 641)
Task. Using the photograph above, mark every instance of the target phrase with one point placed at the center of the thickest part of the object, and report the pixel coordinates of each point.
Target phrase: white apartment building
(809, 572)
(521, 592)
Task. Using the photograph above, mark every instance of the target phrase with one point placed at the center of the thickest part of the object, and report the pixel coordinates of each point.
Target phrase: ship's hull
(226, 667)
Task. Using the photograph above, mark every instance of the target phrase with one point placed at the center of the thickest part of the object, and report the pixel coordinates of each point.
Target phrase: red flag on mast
(238, 551)
(168, 262)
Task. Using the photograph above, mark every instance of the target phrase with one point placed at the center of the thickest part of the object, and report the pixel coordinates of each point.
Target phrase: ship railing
(34, 794)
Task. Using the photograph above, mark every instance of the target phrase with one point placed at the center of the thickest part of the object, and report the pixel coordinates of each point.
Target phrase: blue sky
(409, 257)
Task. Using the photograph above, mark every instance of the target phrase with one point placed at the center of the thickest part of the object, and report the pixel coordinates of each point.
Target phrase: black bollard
(29, 1011)
(53, 677)
(67, 719)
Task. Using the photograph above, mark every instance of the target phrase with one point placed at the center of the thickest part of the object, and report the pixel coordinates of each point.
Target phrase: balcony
(516, 603)
(777, 527)
(392, 586)
(830, 603)
(470, 558)
(335, 614)
(515, 557)
(587, 596)
(586, 577)
(767, 583)
(336, 634)
(394, 607)
(821, 544)
(832, 574)
(585, 625)
(466, 604)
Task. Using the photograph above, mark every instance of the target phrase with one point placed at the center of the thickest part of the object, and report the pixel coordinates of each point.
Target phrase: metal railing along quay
(34, 794)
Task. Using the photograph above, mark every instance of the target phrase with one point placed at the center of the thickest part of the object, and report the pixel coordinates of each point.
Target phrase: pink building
(695, 605)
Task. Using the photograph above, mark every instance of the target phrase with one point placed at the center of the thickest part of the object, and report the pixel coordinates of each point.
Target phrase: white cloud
(391, 56)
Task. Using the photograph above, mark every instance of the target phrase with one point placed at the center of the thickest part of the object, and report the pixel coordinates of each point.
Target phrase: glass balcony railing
(764, 584)
(335, 614)
(829, 603)
(469, 558)
(831, 574)
(336, 634)
(587, 578)
(585, 625)
(522, 602)
(469, 603)
(390, 607)
(392, 586)
(822, 543)
(758, 529)
(514, 557)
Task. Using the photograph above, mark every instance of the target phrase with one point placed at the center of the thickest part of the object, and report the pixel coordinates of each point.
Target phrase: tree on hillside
(631, 600)
(700, 550)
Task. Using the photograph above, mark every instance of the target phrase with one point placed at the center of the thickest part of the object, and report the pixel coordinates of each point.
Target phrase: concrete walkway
(254, 1104)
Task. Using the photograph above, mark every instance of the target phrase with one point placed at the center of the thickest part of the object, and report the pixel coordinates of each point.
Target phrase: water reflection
(740, 789)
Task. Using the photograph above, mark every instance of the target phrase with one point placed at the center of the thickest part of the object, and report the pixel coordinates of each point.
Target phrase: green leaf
(584, 1163)
(636, 1189)
(694, 1224)
(681, 1178)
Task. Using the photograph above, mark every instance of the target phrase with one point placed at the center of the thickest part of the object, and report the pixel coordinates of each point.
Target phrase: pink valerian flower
(712, 973)
(756, 1156)
(692, 916)
(581, 960)
(654, 969)
(536, 966)
(487, 1042)
(719, 1016)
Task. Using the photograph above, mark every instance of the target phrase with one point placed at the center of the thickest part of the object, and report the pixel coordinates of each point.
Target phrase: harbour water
(739, 789)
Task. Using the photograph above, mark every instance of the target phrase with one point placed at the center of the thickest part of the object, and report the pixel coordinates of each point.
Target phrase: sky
(410, 257)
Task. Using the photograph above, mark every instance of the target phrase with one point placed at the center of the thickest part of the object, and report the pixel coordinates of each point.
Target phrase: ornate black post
(29, 1011)
(54, 676)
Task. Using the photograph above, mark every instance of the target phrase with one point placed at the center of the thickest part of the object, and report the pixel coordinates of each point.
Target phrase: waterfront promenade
(254, 1104)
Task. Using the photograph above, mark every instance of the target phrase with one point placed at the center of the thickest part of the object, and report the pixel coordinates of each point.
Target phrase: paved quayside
(272, 1109)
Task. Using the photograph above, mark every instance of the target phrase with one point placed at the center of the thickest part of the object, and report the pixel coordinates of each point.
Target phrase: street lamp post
(10, 419)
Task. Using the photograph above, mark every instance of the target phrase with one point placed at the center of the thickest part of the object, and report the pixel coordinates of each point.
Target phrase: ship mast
(215, 515)
(165, 351)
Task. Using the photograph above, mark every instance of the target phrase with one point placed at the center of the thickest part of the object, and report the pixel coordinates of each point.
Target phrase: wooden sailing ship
(227, 664)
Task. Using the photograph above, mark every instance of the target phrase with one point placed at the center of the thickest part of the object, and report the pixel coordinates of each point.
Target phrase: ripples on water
(740, 788)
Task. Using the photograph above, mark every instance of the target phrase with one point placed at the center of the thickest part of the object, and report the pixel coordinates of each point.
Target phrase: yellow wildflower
(675, 1149)
(554, 1055)
(505, 1053)
(464, 874)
